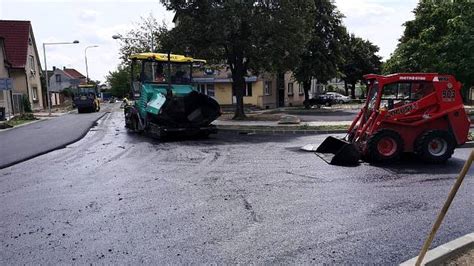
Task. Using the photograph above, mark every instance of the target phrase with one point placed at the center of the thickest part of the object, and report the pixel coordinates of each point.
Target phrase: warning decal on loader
(448, 95)
(404, 109)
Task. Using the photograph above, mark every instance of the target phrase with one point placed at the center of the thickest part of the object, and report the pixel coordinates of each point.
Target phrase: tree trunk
(346, 88)
(306, 88)
(239, 87)
(353, 89)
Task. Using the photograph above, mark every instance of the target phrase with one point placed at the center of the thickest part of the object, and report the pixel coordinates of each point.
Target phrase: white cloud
(92, 22)
(88, 15)
(381, 22)
(364, 8)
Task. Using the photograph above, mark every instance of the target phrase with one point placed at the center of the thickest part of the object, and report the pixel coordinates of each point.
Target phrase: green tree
(26, 104)
(360, 58)
(323, 52)
(139, 39)
(439, 39)
(119, 81)
(250, 36)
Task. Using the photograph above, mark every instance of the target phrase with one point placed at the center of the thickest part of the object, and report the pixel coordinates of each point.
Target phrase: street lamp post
(46, 68)
(120, 37)
(85, 57)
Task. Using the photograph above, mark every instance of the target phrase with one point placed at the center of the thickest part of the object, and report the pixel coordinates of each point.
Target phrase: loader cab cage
(400, 93)
(393, 95)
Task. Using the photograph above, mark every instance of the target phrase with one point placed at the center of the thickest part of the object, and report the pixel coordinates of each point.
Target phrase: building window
(210, 90)
(290, 89)
(248, 89)
(268, 88)
(207, 89)
(58, 77)
(32, 63)
(300, 89)
(35, 94)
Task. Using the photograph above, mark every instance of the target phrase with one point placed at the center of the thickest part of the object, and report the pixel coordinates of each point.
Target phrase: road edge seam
(439, 254)
(22, 125)
(84, 133)
(280, 131)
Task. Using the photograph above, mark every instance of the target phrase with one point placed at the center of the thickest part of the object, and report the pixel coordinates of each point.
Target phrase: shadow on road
(410, 164)
(222, 138)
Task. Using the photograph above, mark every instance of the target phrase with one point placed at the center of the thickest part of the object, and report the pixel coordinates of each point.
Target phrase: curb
(55, 148)
(243, 130)
(439, 255)
(24, 124)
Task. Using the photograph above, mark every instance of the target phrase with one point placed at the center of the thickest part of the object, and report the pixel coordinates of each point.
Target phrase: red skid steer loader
(422, 113)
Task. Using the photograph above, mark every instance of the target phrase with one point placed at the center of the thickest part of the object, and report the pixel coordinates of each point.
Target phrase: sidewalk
(44, 114)
(235, 123)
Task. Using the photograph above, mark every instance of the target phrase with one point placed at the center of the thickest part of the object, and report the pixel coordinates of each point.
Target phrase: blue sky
(93, 22)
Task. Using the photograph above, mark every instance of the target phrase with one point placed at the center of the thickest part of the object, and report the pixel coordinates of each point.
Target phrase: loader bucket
(338, 152)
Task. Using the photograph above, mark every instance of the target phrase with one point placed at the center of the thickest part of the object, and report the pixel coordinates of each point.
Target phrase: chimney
(64, 68)
(54, 68)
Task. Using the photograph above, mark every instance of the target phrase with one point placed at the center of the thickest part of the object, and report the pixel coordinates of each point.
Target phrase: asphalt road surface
(25, 142)
(119, 198)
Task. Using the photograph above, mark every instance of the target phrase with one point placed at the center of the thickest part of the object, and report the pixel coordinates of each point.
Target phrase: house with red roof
(24, 62)
(61, 79)
(5, 99)
(65, 78)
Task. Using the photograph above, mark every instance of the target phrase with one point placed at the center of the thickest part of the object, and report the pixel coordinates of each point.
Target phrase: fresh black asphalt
(120, 198)
(23, 143)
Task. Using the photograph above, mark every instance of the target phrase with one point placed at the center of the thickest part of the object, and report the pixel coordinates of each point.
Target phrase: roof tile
(16, 34)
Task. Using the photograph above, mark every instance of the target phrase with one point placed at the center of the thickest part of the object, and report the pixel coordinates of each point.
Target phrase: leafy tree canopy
(323, 52)
(119, 81)
(360, 58)
(439, 39)
(139, 39)
(247, 35)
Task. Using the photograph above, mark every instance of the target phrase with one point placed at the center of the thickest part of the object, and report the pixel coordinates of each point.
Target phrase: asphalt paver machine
(421, 113)
(164, 101)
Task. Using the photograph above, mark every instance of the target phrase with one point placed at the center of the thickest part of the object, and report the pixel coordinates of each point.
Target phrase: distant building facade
(260, 91)
(60, 79)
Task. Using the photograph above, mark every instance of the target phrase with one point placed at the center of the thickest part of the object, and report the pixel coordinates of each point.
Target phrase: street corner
(289, 120)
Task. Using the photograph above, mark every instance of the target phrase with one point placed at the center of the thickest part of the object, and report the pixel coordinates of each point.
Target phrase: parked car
(318, 101)
(339, 98)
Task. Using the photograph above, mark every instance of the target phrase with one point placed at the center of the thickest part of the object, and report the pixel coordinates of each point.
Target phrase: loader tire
(384, 146)
(435, 146)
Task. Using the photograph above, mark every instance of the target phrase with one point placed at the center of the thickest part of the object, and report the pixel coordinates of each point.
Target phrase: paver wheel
(384, 146)
(134, 124)
(435, 146)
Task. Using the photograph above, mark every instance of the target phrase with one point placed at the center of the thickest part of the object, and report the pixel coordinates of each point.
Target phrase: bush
(67, 92)
(26, 104)
(26, 116)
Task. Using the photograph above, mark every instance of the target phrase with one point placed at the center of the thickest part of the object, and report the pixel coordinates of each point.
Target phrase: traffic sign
(6, 84)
